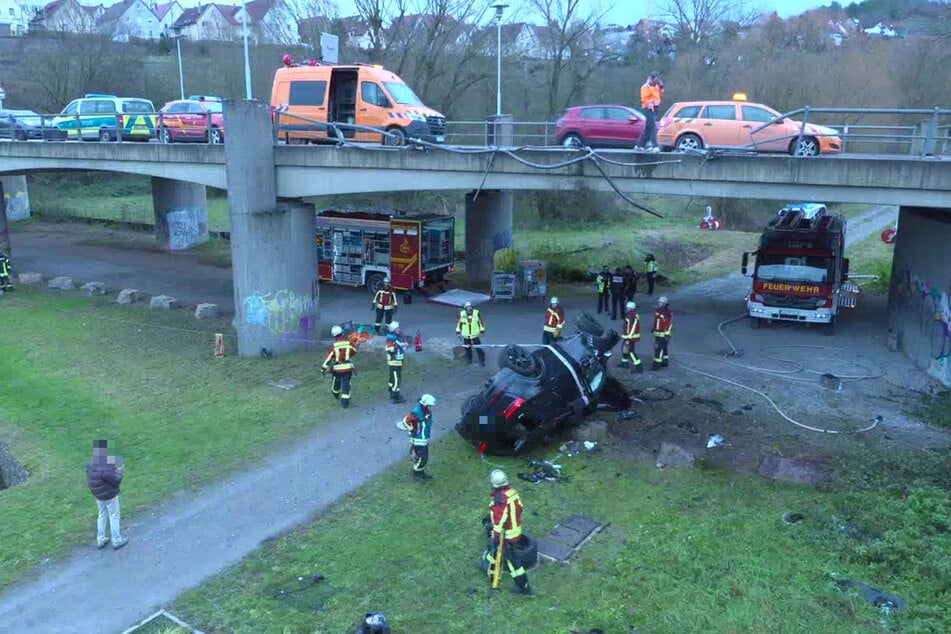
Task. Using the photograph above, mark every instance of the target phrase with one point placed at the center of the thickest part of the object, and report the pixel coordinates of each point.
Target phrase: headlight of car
(417, 117)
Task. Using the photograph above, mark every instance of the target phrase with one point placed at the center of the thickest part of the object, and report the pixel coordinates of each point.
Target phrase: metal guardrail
(921, 132)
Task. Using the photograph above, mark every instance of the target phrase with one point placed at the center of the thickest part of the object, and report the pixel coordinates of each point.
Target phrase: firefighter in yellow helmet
(554, 322)
(505, 514)
(340, 360)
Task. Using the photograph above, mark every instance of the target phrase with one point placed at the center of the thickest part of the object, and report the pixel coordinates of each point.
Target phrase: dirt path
(195, 535)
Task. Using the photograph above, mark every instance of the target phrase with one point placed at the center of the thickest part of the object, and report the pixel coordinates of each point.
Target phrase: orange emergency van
(360, 94)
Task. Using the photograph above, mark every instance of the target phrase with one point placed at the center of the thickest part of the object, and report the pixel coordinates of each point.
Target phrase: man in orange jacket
(651, 94)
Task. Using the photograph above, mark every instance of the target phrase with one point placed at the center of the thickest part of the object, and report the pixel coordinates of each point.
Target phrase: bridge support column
(918, 298)
(16, 198)
(181, 213)
(273, 254)
(489, 214)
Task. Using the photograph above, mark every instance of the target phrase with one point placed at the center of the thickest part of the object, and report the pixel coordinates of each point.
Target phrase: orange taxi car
(694, 125)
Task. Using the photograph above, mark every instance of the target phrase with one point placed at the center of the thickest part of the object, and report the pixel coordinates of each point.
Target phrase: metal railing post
(79, 130)
(802, 129)
(845, 136)
(208, 128)
(161, 126)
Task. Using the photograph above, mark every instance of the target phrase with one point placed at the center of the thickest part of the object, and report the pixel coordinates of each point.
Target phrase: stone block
(30, 278)
(583, 524)
(567, 535)
(93, 288)
(129, 296)
(163, 301)
(554, 550)
(799, 470)
(207, 311)
(62, 283)
(671, 455)
(593, 430)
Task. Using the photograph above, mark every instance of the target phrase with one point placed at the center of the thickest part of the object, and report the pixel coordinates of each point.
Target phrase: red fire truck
(801, 272)
(360, 248)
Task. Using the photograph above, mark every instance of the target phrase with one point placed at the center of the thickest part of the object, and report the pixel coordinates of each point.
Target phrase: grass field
(872, 257)
(78, 369)
(703, 550)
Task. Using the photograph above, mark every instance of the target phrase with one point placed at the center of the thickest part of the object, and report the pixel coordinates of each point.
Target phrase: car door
(94, 115)
(719, 125)
(619, 130)
(772, 138)
(67, 120)
(373, 110)
(196, 120)
(591, 126)
(172, 118)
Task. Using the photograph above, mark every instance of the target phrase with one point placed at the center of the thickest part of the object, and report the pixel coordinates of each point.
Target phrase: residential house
(444, 31)
(357, 32)
(14, 18)
(209, 22)
(881, 30)
(272, 21)
(167, 13)
(838, 32)
(66, 16)
(130, 19)
(519, 39)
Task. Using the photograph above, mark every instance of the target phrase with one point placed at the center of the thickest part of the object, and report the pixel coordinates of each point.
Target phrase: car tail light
(495, 397)
(424, 276)
(452, 267)
(514, 407)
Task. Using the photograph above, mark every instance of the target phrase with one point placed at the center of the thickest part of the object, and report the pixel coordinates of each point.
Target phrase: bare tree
(375, 13)
(699, 20)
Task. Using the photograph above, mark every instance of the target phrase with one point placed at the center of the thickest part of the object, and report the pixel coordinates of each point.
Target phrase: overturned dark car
(541, 391)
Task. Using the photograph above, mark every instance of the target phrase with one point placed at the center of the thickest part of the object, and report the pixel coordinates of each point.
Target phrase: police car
(543, 390)
(105, 117)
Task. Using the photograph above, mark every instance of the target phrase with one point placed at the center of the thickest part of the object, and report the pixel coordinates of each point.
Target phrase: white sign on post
(329, 48)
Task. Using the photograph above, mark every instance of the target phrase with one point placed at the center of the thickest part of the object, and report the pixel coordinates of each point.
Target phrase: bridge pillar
(489, 213)
(16, 198)
(181, 213)
(273, 253)
(919, 298)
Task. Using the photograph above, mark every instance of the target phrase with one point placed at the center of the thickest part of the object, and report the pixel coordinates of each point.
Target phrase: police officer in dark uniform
(617, 294)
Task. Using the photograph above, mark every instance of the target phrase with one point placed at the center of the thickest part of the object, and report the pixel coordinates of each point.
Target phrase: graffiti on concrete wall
(17, 205)
(186, 228)
(930, 307)
(282, 312)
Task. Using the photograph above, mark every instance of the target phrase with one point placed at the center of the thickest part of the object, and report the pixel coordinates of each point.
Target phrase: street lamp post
(498, 80)
(247, 60)
(181, 73)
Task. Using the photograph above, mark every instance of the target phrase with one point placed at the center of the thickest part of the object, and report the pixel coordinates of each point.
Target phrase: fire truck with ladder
(362, 248)
(801, 272)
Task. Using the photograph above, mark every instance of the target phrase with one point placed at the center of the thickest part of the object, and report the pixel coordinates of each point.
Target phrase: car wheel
(572, 140)
(519, 360)
(689, 142)
(755, 323)
(19, 135)
(216, 136)
(829, 328)
(806, 146)
(165, 136)
(105, 136)
(587, 324)
(375, 283)
(396, 138)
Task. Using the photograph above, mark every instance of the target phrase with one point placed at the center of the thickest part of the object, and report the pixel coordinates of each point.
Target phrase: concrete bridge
(266, 183)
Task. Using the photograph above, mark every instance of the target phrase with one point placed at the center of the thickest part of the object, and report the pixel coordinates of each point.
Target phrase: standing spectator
(104, 475)
(651, 94)
(603, 281)
(650, 268)
(617, 294)
(630, 283)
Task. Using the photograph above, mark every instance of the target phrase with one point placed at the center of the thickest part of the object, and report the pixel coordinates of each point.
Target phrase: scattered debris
(874, 596)
(596, 430)
(544, 471)
(569, 536)
(590, 446)
(830, 382)
(800, 470)
(714, 440)
(570, 448)
(628, 414)
(793, 518)
(671, 455)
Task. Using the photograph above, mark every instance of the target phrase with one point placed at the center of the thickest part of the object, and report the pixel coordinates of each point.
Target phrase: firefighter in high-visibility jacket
(340, 361)
(394, 361)
(603, 281)
(5, 272)
(554, 322)
(385, 304)
(505, 514)
(662, 330)
(470, 328)
(630, 337)
(419, 424)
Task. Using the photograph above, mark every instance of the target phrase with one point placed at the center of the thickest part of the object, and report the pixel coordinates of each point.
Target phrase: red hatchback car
(599, 126)
(197, 118)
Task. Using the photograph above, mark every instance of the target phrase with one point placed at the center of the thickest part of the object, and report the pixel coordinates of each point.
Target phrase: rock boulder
(93, 288)
(30, 278)
(671, 455)
(129, 296)
(207, 311)
(62, 283)
(163, 301)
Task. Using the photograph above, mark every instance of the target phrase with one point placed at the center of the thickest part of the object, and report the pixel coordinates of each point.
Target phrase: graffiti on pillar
(282, 312)
(17, 205)
(930, 306)
(186, 228)
(502, 239)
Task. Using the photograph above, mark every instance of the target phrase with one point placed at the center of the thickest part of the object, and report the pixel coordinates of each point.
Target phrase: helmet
(394, 326)
(386, 280)
(336, 331)
(554, 301)
(468, 305)
(631, 305)
(662, 301)
(498, 479)
(427, 400)
(288, 60)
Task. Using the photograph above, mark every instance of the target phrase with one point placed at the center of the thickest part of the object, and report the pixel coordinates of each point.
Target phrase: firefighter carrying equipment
(506, 515)
(394, 360)
(340, 360)
(336, 331)
(419, 423)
